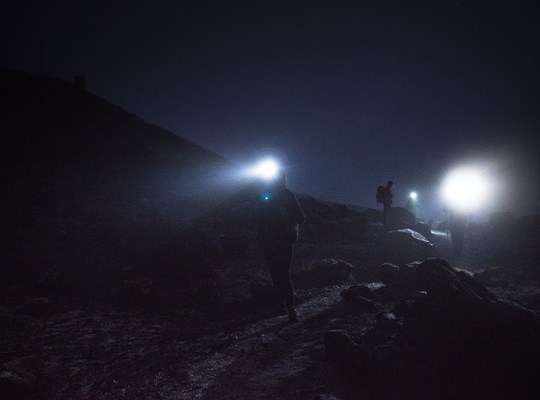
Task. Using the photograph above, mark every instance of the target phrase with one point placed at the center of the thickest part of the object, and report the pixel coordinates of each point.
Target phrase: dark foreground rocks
(17, 384)
(422, 330)
(438, 334)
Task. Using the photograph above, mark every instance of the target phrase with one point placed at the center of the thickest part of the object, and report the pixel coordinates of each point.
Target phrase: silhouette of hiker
(279, 217)
(457, 222)
(384, 196)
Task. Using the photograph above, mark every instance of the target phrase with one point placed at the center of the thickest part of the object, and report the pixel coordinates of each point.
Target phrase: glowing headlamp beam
(465, 189)
(266, 169)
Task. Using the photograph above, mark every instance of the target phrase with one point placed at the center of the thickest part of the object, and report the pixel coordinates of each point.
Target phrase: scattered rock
(355, 291)
(445, 285)
(340, 346)
(362, 303)
(359, 297)
(387, 321)
(453, 333)
(385, 294)
(389, 273)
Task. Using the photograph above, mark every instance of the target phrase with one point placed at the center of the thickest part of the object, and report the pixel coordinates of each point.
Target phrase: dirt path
(270, 358)
(89, 355)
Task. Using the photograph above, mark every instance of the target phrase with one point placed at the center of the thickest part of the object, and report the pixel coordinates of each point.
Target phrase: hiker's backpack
(380, 194)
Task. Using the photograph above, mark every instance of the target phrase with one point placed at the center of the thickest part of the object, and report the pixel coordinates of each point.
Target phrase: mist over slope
(87, 185)
(66, 148)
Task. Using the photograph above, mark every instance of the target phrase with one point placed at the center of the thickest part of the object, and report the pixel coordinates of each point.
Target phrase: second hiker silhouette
(385, 196)
(279, 217)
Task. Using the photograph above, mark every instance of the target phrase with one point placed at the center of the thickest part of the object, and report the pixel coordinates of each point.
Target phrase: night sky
(351, 94)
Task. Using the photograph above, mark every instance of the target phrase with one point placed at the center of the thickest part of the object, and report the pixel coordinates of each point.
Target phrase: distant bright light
(465, 189)
(413, 195)
(266, 169)
(267, 196)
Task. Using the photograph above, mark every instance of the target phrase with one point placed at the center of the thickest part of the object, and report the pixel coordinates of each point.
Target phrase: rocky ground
(368, 330)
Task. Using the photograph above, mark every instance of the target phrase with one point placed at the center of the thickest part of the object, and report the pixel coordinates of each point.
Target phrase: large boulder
(440, 331)
(437, 281)
(401, 218)
(424, 229)
(359, 296)
(403, 246)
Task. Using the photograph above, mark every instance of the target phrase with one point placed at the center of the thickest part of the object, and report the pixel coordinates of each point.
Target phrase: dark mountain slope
(88, 187)
(65, 147)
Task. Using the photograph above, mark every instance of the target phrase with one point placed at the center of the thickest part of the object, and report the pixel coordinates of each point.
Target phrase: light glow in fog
(465, 189)
(266, 169)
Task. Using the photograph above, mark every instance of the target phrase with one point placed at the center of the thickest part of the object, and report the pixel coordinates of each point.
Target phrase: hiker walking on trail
(279, 217)
(384, 196)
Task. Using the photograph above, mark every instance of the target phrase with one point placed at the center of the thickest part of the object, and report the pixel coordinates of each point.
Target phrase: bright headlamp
(465, 189)
(266, 169)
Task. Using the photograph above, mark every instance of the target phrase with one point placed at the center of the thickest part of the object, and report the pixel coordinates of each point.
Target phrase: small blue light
(267, 196)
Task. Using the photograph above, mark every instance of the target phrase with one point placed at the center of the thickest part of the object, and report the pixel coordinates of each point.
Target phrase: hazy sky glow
(352, 93)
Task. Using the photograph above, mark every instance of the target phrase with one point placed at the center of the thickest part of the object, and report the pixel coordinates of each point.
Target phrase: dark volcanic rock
(456, 337)
(401, 218)
(385, 294)
(387, 321)
(424, 229)
(405, 245)
(389, 273)
(359, 297)
(446, 285)
(362, 303)
(355, 291)
(340, 346)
